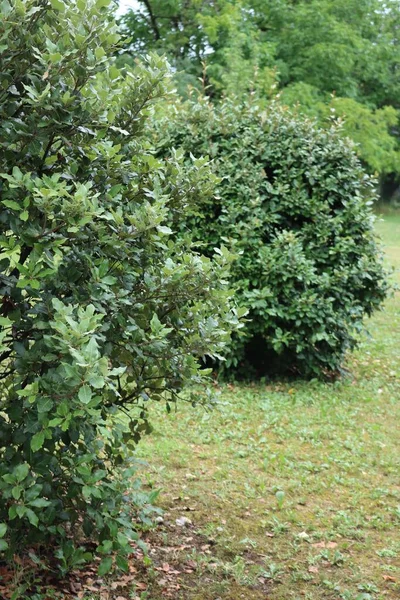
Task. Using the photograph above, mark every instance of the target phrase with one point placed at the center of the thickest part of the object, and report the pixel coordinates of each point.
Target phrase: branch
(5, 355)
(153, 20)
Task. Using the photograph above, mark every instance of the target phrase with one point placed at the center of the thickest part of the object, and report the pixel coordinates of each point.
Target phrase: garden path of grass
(294, 488)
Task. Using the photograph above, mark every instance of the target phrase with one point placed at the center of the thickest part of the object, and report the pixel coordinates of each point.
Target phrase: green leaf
(5, 7)
(21, 472)
(280, 497)
(155, 324)
(17, 173)
(16, 492)
(11, 204)
(109, 280)
(37, 441)
(91, 349)
(87, 492)
(122, 563)
(3, 545)
(105, 566)
(62, 409)
(20, 510)
(85, 394)
(29, 390)
(96, 381)
(32, 517)
(12, 512)
(99, 52)
(55, 57)
(58, 5)
(164, 230)
(44, 404)
(55, 422)
(3, 529)
(39, 503)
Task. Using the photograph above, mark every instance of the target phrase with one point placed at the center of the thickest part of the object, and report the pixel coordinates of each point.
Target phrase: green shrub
(294, 202)
(102, 308)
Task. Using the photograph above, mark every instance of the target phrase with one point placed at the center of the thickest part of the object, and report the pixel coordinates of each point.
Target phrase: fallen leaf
(325, 545)
(74, 587)
(141, 586)
(191, 564)
(313, 570)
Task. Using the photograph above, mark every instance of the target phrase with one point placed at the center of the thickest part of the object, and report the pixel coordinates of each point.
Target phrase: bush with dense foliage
(102, 308)
(294, 203)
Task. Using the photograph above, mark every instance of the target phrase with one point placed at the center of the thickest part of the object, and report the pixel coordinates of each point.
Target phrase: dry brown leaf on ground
(313, 570)
(324, 545)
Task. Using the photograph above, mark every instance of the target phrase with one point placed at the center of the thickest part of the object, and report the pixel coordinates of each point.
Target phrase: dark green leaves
(294, 204)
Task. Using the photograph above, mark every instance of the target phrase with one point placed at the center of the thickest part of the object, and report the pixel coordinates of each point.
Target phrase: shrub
(294, 202)
(103, 309)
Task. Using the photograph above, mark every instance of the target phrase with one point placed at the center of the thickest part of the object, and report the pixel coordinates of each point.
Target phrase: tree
(349, 47)
(369, 128)
(310, 49)
(348, 50)
(103, 308)
(195, 33)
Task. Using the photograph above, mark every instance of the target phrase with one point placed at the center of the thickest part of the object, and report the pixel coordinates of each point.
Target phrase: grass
(294, 487)
(287, 491)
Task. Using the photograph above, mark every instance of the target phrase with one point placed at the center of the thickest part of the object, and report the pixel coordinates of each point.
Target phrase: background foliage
(321, 54)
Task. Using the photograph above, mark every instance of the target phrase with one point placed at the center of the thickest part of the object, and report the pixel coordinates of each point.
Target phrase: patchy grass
(295, 487)
(287, 491)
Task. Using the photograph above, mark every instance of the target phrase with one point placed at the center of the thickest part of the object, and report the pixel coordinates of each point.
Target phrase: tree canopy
(316, 52)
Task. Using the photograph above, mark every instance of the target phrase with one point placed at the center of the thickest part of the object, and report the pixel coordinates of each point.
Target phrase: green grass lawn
(293, 489)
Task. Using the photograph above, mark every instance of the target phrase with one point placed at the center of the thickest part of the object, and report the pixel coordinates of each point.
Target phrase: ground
(296, 486)
(284, 492)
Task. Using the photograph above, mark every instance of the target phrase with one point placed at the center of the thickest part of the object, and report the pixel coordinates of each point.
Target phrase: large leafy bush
(102, 309)
(294, 203)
